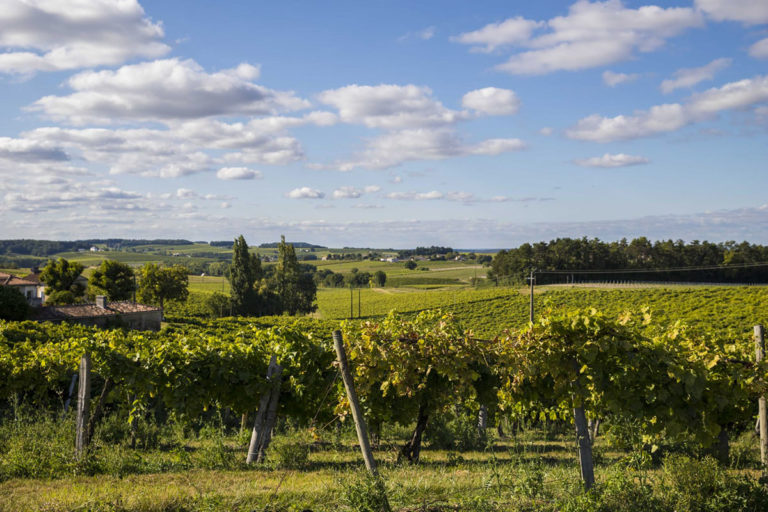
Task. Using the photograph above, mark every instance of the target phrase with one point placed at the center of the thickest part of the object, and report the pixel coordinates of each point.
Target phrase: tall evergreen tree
(296, 289)
(244, 272)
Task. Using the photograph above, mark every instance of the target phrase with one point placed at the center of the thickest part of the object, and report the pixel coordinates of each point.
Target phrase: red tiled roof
(9, 280)
(76, 311)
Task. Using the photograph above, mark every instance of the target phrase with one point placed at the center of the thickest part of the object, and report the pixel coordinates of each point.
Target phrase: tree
(158, 284)
(60, 277)
(380, 278)
(410, 265)
(114, 279)
(296, 289)
(13, 305)
(244, 272)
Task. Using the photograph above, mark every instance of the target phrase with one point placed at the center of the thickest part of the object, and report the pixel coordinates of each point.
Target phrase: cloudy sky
(385, 124)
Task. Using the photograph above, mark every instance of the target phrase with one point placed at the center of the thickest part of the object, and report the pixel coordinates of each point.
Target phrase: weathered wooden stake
(83, 403)
(357, 415)
(762, 415)
(585, 447)
(261, 434)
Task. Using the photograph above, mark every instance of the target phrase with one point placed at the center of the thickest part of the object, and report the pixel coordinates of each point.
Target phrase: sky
(384, 123)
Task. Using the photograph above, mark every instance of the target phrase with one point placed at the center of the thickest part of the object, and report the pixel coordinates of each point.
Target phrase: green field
(722, 310)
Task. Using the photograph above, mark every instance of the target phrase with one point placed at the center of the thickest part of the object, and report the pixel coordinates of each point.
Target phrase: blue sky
(385, 124)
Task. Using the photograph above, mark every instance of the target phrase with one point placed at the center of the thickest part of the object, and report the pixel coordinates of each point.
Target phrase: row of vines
(668, 380)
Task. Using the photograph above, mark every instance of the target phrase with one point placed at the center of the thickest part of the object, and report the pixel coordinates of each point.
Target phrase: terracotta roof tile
(76, 311)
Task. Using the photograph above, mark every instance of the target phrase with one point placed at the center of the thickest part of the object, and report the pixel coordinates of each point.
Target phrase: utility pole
(532, 279)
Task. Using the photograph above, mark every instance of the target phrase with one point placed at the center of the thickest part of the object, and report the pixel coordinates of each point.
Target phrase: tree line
(583, 254)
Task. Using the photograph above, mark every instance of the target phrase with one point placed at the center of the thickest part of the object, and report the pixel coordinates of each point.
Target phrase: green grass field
(726, 310)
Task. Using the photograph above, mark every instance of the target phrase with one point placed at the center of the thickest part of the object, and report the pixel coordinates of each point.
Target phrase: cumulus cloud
(305, 193)
(691, 76)
(237, 173)
(20, 150)
(165, 90)
(180, 150)
(759, 50)
(512, 31)
(592, 34)
(347, 193)
(400, 146)
(612, 79)
(609, 161)
(546, 131)
(672, 116)
(749, 12)
(492, 101)
(389, 106)
(69, 34)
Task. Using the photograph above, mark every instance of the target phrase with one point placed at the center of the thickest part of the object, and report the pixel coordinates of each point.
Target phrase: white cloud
(370, 189)
(27, 151)
(496, 147)
(165, 90)
(546, 131)
(389, 106)
(593, 34)
(185, 193)
(609, 161)
(237, 173)
(347, 193)
(181, 150)
(424, 34)
(55, 35)
(305, 193)
(516, 30)
(612, 79)
(749, 12)
(492, 101)
(692, 76)
(672, 116)
(759, 50)
(396, 147)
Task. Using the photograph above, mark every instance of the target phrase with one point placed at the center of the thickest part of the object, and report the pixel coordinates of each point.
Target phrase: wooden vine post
(762, 415)
(585, 447)
(266, 416)
(357, 415)
(83, 409)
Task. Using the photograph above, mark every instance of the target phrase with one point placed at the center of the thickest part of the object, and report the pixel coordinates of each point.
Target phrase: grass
(209, 284)
(535, 470)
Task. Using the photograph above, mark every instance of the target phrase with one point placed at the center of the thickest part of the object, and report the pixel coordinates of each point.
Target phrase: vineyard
(469, 407)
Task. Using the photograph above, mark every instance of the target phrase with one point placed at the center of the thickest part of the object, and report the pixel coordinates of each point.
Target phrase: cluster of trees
(286, 287)
(355, 279)
(29, 247)
(152, 284)
(433, 250)
(639, 254)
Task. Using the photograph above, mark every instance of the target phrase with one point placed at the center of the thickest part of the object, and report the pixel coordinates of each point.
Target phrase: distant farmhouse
(101, 313)
(32, 289)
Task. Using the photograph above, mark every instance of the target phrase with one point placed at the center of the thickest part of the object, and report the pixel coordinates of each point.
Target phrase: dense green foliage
(13, 305)
(158, 284)
(114, 279)
(640, 254)
(60, 277)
